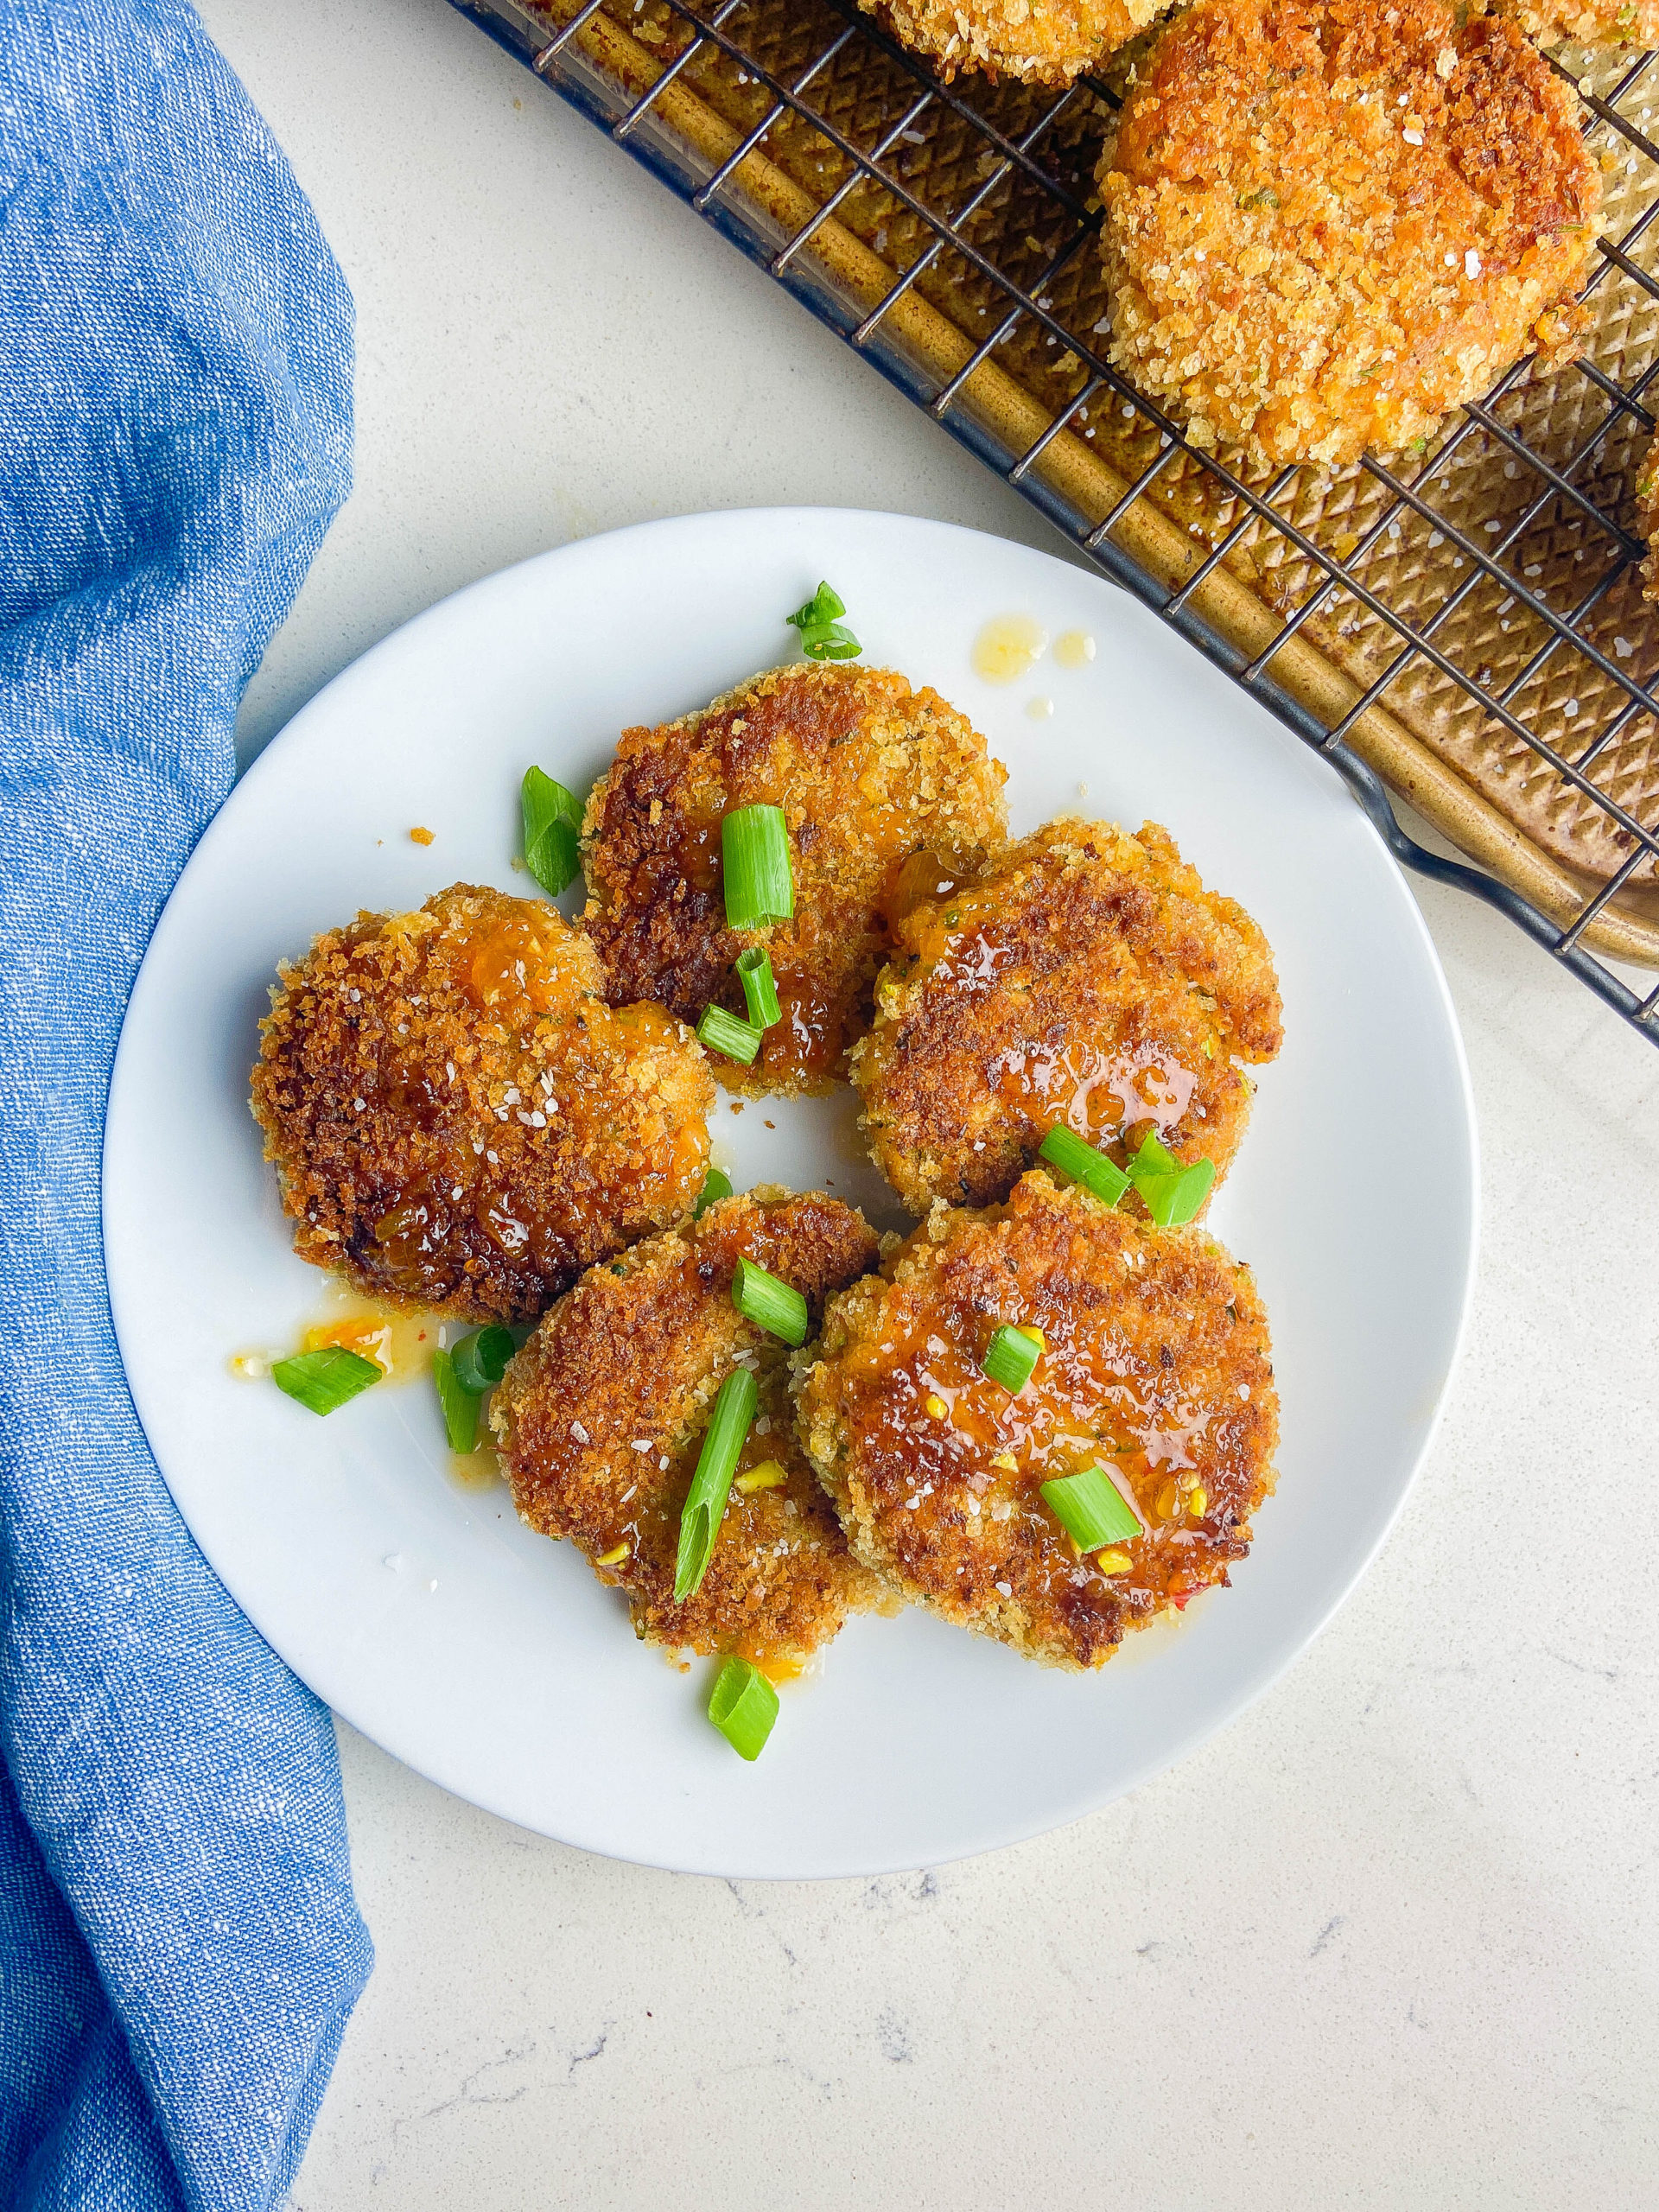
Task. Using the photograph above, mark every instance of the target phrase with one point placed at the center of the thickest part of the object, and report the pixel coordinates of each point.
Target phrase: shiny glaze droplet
(400, 1339)
(1006, 646)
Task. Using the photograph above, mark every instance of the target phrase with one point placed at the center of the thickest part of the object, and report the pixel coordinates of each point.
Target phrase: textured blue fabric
(179, 1944)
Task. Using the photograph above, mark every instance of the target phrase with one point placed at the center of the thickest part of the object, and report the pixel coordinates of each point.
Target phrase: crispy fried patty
(1156, 1363)
(1040, 41)
(602, 1414)
(1085, 978)
(867, 773)
(457, 1116)
(1329, 221)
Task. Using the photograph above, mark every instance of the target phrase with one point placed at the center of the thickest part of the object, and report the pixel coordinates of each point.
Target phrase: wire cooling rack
(1467, 624)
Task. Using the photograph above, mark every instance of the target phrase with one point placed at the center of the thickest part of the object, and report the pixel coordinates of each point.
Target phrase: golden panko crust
(455, 1113)
(1329, 221)
(867, 773)
(1156, 1363)
(1039, 41)
(1086, 978)
(601, 1416)
(1590, 23)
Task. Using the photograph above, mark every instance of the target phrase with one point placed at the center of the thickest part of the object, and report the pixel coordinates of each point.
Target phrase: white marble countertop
(1393, 1938)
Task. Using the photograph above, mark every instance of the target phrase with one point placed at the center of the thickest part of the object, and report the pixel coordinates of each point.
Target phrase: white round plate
(490, 1659)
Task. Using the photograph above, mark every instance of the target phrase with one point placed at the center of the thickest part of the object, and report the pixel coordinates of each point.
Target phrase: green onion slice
(460, 1402)
(824, 605)
(480, 1360)
(743, 1707)
(711, 1484)
(1010, 1357)
(1154, 1158)
(824, 638)
(1171, 1193)
(1064, 1149)
(754, 866)
(728, 1033)
(760, 987)
(760, 1298)
(716, 1186)
(1092, 1509)
(321, 1381)
(552, 820)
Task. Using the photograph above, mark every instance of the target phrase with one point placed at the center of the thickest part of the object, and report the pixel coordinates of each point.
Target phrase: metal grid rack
(651, 103)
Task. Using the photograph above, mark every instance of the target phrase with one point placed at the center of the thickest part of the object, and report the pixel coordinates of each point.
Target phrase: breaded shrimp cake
(1039, 41)
(1086, 978)
(457, 1115)
(1155, 1365)
(1327, 222)
(867, 773)
(602, 1417)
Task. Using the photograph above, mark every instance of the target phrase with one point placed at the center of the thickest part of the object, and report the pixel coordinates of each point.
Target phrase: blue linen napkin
(179, 1944)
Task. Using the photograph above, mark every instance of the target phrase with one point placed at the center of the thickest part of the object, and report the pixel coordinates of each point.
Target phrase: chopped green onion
(1010, 1357)
(728, 1033)
(480, 1360)
(1064, 1149)
(1092, 1507)
(460, 1404)
(771, 1305)
(1171, 1193)
(716, 1186)
(552, 820)
(321, 1381)
(1154, 1158)
(754, 866)
(743, 1707)
(711, 1484)
(824, 605)
(759, 988)
(1186, 1198)
(822, 637)
(834, 642)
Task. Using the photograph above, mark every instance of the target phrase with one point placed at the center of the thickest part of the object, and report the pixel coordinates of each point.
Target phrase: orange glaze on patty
(457, 1115)
(869, 772)
(1086, 978)
(1157, 1364)
(601, 1418)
